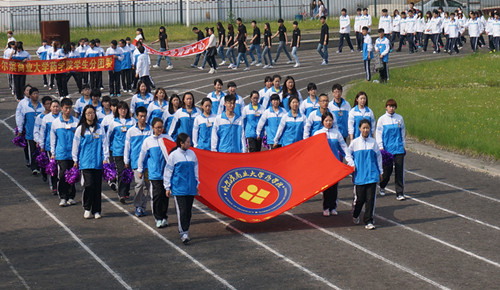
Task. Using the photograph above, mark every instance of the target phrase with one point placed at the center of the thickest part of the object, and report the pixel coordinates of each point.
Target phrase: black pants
(399, 164)
(123, 188)
(53, 179)
(127, 77)
(491, 42)
(447, 44)
(78, 80)
(359, 41)
(418, 38)
(49, 80)
(384, 72)
(426, 41)
(481, 40)
(114, 82)
(402, 41)
(440, 40)
(211, 61)
(452, 45)
(411, 42)
(160, 200)
(330, 197)
(65, 190)
(95, 79)
(436, 38)
(19, 83)
(254, 145)
(31, 155)
(92, 183)
(62, 84)
(85, 78)
(368, 70)
(184, 206)
(393, 38)
(473, 43)
(347, 37)
(365, 195)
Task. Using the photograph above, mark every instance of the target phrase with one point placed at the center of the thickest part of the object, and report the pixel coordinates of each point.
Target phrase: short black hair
(239, 19)
(32, 90)
(281, 20)
(311, 86)
(295, 23)
(231, 84)
(365, 28)
(114, 102)
(323, 17)
(195, 28)
(229, 98)
(66, 102)
(343, 10)
(46, 99)
(141, 109)
(384, 10)
(114, 42)
(106, 99)
(381, 30)
(337, 87)
(95, 93)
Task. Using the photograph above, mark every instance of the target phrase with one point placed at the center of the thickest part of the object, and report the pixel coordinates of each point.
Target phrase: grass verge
(453, 103)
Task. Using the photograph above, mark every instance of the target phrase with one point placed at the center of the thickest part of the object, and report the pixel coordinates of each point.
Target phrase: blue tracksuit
(27, 115)
(251, 118)
(355, 116)
(228, 136)
(291, 129)
(117, 132)
(367, 160)
(341, 114)
(90, 150)
(183, 122)
(133, 143)
(390, 133)
(61, 137)
(202, 131)
(154, 153)
(181, 173)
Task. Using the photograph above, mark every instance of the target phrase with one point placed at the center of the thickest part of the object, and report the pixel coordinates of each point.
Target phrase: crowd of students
(96, 130)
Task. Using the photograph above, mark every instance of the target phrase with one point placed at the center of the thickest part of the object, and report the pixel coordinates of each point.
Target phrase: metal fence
(123, 13)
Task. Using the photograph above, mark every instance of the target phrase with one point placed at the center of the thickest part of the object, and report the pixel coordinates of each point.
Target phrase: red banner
(192, 49)
(255, 187)
(56, 66)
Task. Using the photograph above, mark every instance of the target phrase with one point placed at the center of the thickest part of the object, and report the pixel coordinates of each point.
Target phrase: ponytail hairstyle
(142, 33)
(83, 119)
(181, 138)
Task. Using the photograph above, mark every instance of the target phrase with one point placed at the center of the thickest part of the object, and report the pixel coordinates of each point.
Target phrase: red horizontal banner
(56, 66)
(255, 187)
(192, 49)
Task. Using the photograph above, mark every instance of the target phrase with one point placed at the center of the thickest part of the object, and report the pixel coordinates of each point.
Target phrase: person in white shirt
(452, 32)
(427, 31)
(474, 28)
(435, 29)
(357, 29)
(142, 67)
(411, 32)
(114, 75)
(420, 26)
(6, 55)
(385, 22)
(402, 35)
(396, 27)
(489, 31)
(212, 51)
(345, 30)
(366, 20)
(462, 20)
(446, 22)
(10, 38)
(495, 26)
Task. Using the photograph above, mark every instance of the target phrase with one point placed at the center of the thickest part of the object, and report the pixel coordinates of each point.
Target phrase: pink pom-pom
(127, 175)
(72, 175)
(51, 168)
(109, 171)
(42, 160)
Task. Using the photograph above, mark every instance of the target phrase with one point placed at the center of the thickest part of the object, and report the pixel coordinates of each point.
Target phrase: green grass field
(176, 33)
(454, 103)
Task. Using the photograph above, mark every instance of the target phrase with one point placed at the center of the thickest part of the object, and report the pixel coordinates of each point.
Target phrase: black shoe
(122, 200)
(44, 177)
(113, 186)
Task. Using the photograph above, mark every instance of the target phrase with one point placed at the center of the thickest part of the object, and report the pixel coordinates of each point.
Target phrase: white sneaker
(246, 69)
(170, 67)
(87, 214)
(211, 71)
(266, 66)
(401, 197)
(271, 66)
(158, 223)
(355, 220)
(334, 212)
(97, 215)
(352, 50)
(253, 62)
(200, 68)
(71, 202)
(289, 62)
(223, 62)
(370, 227)
(297, 65)
(44, 86)
(326, 212)
(234, 67)
(230, 66)
(338, 51)
(62, 203)
(156, 66)
(129, 91)
(185, 239)
(259, 64)
(324, 63)
(164, 223)
(382, 191)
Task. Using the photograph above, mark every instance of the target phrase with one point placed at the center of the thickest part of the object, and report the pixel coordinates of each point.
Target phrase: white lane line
(8, 126)
(274, 252)
(4, 257)
(171, 244)
(453, 186)
(9, 117)
(365, 250)
(433, 238)
(73, 235)
(448, 211)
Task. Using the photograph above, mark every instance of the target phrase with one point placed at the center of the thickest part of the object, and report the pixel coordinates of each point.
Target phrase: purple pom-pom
(72, 175)
(19, 141)
(387, 158)
(109, 171)
(127, 175)
(16, 131)
(264, 141)
(51, 168)
(42, 159)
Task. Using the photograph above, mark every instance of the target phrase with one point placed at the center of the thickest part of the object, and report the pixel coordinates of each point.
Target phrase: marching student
(345, 30)
(367, 53)
(90, 151)
(42, 53)
(255, 45)
(240, 103)
(291, 127)
(184, 118)
(275, 89)
(264, 92)
(20, 118)
(495, 27)
(139, 35)
(228, 133)
(83, 101)
(27, 114)
(311, 103)
(266, 46)
(126, 66)
(270, 120)
(357, 29)
(95, 96)
(385, 22)
(410, 30)
(251, 114)
(482, 21)
(44, 144)
(359, 112)
(489, 31)
(383, 46)
(390, 135)
(163, 40)
(216, 95)
(101, 50)
(366, 20)
(462, 21)
(133, 143)
(142, 97)
(37, 133)
(173, 105)
(158, 106)
(427, 31)
(142, 68)
(19, 80)
(241, 41)
(104, 110)
(62, 133)
(337, 144)
(419, 28)
(340, 109)
(230, 49)
(202, 126)
(367, 163)
(109, 118)
(221, 42)
(283, 39)
(323, 41)
(114, 75)
(6, 55)
(452, 34)
(396, 27)
(474, 28)
(62, 78)
(446, 22)
(117, 133)
(402, 32)
(294, 45)
(155, 156)
(211, 51)
(181, 180)
(200, 36)
(51, 54)
(95, 77)
(81, 50)
(314, 121)
(10, 38)
(77, 76)
(289, 90)
(436, 31)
